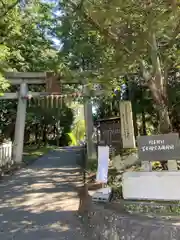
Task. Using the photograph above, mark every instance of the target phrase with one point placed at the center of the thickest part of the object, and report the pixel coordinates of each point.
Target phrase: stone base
(151, 185)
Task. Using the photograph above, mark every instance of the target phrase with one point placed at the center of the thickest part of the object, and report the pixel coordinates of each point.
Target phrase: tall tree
(25, 45)
(142, 35)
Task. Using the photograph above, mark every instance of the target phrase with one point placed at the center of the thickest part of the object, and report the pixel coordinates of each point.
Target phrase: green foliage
(32, 153)
(24, 37)
(49, 123)
(104, 40)
(112, 41)
(26, 45)
(4, 53)
(78, 130)
(73, 140)
(92, 165)
(100, 41)
(4, 84)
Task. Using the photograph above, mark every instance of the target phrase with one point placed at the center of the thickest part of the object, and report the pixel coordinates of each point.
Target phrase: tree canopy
(106, 42)
(128, 37)
(26, 44)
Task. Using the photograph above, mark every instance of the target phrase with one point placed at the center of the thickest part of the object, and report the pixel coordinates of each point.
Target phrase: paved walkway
(40, 202)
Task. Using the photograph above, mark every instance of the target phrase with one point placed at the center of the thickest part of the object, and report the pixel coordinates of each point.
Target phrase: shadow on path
(40, 202)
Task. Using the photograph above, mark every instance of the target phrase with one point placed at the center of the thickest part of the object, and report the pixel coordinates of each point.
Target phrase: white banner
(103, 161)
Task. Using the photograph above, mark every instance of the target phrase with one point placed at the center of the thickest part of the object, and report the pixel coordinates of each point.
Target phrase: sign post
(163, 147)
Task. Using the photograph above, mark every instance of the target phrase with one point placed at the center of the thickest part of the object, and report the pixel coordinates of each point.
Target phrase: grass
(92, 165)
(154, 207)
(128, 151)
(31, 153)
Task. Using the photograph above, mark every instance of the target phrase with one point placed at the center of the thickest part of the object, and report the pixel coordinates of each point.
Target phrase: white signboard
(103, 160)
(127, 127)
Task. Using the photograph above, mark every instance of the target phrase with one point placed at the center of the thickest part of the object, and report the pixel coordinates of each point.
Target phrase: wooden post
(172, 165)
(146, 166)
(20, 124)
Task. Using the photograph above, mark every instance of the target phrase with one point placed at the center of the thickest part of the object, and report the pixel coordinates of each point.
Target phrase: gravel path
(40, 202)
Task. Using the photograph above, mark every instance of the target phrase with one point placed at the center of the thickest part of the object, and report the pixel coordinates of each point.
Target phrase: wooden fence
(6, 154)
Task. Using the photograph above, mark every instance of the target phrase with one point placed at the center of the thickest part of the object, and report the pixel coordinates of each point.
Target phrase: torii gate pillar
(22, 79)
(20, 124)
(91, 152)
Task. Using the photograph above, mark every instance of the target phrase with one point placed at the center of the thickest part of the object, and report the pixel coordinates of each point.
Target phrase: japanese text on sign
(159, 148)
(159, 145)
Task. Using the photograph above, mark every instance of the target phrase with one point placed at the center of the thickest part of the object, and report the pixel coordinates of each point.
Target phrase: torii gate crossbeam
(25, 78)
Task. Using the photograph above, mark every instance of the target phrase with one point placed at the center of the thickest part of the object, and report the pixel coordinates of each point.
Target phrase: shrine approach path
(40, 201)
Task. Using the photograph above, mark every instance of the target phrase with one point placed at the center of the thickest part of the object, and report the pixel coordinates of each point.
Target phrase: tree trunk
(44, 136)
(54, 131)
(36, 131)
(135, 124)
(158, 86)
(157, 82)
(161, 105)
(131, 97)
(27, 137)
(57, 137)
(144, 132)
(164, 119)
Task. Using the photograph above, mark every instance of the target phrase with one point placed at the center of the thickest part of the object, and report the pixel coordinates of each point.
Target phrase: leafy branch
(109, 35)
(8, 8)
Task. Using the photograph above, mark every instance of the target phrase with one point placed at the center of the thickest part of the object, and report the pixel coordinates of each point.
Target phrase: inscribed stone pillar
(127, 128)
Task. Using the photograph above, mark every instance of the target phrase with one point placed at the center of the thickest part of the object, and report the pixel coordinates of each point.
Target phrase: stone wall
(127, 161)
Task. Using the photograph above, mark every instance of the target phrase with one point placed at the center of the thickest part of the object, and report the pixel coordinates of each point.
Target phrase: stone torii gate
(22, 79)
(53, 86)
(50, 80)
